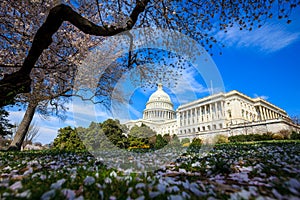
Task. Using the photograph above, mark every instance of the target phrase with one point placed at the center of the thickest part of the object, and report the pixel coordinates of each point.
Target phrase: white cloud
(88, 109)
(135, 112)
(269, 38)
(261, 96)
(188, 83)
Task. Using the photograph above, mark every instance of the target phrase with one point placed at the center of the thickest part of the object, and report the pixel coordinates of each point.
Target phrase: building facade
(229, 114)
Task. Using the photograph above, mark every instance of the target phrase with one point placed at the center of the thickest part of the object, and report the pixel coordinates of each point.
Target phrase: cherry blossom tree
(197, 19)
(52, 75)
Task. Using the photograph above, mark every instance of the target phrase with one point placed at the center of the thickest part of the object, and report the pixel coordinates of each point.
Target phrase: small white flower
(107, 180)
(48, 195)
(140, 185)
(16, 186)
(69, 194)
(89, 180)
(58, 184)
(113, 174)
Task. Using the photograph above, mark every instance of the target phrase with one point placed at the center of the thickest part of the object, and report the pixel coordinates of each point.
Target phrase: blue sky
(264, 62)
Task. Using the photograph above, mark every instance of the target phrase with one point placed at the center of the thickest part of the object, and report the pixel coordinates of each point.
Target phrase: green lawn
(234, 170)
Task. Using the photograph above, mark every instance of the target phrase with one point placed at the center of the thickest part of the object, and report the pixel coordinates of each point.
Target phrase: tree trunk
(23, 128)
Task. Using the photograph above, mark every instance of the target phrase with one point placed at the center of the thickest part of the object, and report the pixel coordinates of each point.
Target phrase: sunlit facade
(229, 114)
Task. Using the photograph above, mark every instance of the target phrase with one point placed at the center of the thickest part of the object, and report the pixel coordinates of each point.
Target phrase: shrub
(195, 146)
(185, 140)
(186, 144)
(267, 136)
(237, 138)
(285, 133)
(295, 136)
(251, 137)
(277, 136)
(221, 139)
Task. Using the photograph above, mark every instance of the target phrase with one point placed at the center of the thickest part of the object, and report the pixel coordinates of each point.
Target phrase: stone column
(260, 113)
(210, 112)
(224, 110)
(195, 115)
(200, 113)
(271, 112)
(204, 113)
(216, 110)
(268, 114)
(264, 113)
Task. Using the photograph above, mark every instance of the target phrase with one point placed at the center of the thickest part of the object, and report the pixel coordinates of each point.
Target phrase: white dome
(160, 96)
(159, 106)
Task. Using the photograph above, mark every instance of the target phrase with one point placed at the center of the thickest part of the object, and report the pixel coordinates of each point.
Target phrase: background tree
(103, 18)
(195, 146)
(141, 136)
(31, 135)
(67, 139)
(160, 142)
(6, 129)
(5, 126)
(113, 131)
(167, 137)
(91, 136)
(175, 141)
(296, 119)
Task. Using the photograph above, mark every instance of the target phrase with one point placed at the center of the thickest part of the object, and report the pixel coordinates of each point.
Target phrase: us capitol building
(230, 113)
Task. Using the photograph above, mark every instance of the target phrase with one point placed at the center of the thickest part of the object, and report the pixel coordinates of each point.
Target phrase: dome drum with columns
(159, 106)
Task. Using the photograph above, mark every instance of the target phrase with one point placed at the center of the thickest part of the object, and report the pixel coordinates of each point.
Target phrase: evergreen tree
(5, 126)
(114, 132)
(67, 139)
(142, 136)
(160, 142)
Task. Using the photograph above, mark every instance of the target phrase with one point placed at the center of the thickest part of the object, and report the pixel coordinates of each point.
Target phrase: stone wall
(274, 126)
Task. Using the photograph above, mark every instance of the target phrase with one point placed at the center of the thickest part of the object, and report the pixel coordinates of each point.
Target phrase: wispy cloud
(188, 83)
(271, 37)
(261, 96)
(135, 112)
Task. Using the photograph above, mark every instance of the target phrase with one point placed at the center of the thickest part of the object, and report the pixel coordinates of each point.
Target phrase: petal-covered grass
(237, 171)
